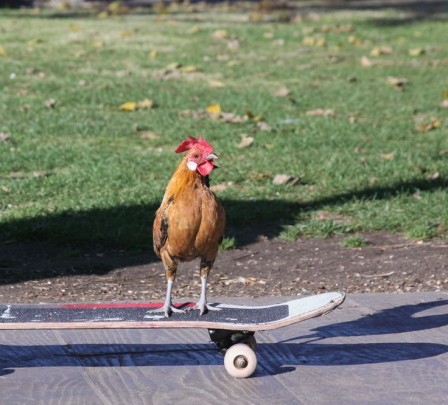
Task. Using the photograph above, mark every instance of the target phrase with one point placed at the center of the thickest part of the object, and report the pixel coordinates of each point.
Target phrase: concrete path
(374, 349)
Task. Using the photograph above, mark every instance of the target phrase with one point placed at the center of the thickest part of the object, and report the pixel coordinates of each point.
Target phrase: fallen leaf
(148, 135)
(429, 126)
(397, 82)
(98, 44)
(353, 40)
(279, 42)
(321, 112)
(27, 175)
(233, 45)
(309, 41)
(220, 34)
(172, 66)
(416, 52)
(51, 103)
(285, 179)
(366, 62)
(5, 189)
(444, 104)
(145, 104)
(262, 126)
(2, 51)
(193, 114)
(434, 176)
(153, 54)
(255, 176)
(215, 83)
(387, 156)
(381, 50)
(4, 137)
(313, 41)
(232, 118)
(189, 69)
(282, 92)
(128, 106)
(214, 111)
(246, 141)
(253, 117)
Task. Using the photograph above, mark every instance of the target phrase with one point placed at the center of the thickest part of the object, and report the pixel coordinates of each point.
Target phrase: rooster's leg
(170, 271)
(202, 303)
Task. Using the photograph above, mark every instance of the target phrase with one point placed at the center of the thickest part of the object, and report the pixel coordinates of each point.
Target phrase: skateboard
(231, 328)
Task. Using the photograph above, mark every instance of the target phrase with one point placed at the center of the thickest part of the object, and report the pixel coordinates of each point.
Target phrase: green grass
(354, 241)
(81, 172)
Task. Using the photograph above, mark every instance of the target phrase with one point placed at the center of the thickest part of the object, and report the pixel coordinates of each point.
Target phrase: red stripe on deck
(111, 305)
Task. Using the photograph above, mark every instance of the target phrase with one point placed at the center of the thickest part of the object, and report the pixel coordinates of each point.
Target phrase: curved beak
(212, 156)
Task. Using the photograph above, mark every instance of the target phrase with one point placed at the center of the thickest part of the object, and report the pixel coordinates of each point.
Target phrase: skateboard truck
(224, 339)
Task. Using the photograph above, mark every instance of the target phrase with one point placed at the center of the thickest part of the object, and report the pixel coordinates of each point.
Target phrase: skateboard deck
(232, 328)
(138, 315)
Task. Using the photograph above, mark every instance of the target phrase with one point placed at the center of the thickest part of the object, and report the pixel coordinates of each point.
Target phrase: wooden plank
(379, 348)
(362, 356)
(28, 373)
(161, 366)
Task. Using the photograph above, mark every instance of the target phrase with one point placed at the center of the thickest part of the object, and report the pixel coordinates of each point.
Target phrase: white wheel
(240, 361)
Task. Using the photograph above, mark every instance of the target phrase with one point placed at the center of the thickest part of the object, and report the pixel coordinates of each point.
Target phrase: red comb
(192, 142)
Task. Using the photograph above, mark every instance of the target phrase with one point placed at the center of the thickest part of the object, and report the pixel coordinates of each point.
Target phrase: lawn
(350, 105)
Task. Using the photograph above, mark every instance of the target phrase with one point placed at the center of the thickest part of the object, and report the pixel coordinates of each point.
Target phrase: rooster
(190, 221)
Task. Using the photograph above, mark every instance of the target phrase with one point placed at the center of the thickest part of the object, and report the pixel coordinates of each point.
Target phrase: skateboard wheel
(240, 361)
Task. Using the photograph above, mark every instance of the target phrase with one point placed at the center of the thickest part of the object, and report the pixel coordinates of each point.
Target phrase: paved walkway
(374, 349)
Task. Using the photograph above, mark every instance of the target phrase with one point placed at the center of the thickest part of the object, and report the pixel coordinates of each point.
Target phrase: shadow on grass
(128, 227)
(126, 230)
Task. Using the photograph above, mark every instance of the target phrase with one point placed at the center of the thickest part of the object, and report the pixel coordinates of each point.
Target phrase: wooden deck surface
(374, 349)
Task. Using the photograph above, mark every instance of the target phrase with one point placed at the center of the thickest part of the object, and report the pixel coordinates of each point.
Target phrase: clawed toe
(168, 310)
(204, 308)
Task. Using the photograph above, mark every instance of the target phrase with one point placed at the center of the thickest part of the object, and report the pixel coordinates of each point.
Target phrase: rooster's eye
(196, 156)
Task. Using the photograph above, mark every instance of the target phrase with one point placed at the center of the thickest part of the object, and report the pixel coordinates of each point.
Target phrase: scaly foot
(168, 310)
(203, 308)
